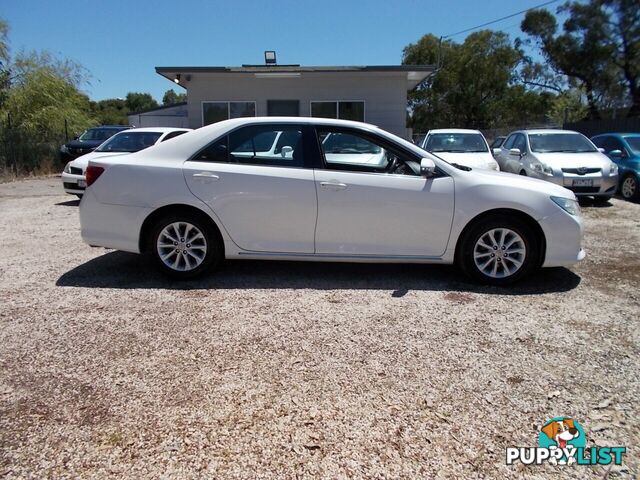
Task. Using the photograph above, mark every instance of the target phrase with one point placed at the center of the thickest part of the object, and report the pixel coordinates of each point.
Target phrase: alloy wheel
(629, 187)
(181, 246)
(499, 253)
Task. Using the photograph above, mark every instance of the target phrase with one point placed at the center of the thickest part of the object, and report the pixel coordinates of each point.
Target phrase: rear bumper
(111, 226)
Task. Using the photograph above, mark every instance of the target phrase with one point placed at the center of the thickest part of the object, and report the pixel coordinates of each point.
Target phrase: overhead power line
(499, 19)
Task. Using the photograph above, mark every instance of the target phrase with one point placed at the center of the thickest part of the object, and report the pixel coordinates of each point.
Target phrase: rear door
(264, 196)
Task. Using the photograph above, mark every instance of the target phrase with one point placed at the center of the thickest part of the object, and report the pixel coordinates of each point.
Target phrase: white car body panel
(270, 212)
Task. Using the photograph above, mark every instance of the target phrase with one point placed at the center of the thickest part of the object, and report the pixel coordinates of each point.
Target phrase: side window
(271, 145)
(520, 142)
(214, 152)
(351, 151)
(508, 144)
(173, 135)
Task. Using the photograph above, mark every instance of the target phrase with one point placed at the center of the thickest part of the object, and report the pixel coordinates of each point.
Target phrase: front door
(259, 187)
(373, 201)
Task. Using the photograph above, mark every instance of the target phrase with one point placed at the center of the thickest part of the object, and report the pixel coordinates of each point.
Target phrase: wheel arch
(501, 213)
(153, 217)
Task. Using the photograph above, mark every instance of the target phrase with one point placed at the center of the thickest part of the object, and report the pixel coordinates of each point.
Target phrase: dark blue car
(88, 141)
(624, 150)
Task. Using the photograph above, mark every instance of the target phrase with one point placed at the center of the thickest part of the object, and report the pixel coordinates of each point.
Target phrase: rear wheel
(629, 187)
(498, 251)
(184, 245)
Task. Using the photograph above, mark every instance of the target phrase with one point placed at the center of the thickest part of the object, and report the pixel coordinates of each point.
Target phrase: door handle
(333, 185)
(206, 176)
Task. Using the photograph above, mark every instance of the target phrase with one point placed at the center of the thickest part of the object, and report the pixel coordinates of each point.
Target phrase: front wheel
(629, 188)
(184, 246)
(498, 251)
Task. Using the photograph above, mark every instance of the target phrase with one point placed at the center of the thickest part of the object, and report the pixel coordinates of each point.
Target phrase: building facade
(374, 94)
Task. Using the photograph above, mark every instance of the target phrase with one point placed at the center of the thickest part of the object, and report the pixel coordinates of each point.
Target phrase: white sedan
(124, 142)
(200, 198)
(461, 146)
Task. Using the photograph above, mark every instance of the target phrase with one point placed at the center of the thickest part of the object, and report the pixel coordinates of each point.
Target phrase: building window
(344, 110)
(217, 111)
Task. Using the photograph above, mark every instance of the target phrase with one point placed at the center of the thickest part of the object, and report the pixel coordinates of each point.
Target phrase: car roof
(157, 129)
(122, 127)
(546, 130)
(618, 134)
(454, 130)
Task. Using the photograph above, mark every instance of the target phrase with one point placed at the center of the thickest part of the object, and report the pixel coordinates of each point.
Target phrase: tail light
(92, 174)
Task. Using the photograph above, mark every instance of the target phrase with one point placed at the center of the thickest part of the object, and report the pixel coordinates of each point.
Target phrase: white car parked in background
(463, 147)
(200, 198)
(125, 142)
(562, 157)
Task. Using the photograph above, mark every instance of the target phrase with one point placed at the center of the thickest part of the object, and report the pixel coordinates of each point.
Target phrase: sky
(121, 42)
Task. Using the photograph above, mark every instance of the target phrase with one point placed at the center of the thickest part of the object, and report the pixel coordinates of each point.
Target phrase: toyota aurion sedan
(563, 157)
(127, 141)
(191, 202)
(460, 146)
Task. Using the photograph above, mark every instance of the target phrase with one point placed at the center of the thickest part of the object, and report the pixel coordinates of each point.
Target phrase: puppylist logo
(562, 441)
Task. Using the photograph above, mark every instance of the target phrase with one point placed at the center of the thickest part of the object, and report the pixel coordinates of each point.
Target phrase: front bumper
(73, 184)
(563, 234)
(600, 185)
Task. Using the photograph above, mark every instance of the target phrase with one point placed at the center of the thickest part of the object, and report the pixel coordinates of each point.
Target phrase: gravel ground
(287, 370)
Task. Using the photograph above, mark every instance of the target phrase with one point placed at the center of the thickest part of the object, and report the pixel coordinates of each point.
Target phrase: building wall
(384, 94)
(166, 117)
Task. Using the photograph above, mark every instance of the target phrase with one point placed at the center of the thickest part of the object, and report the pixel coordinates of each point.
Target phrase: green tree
(112, 111)
(4, 60)
(598, 49)
(137, 101)
(171, 97)
(475, 85)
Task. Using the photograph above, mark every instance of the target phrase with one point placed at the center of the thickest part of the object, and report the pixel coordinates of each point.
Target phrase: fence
(22, 153)
(595, 127)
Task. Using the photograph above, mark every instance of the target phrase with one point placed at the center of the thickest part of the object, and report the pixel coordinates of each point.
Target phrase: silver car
(563, 157)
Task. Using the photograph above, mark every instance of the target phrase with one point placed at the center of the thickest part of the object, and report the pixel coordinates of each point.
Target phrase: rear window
(129, 142)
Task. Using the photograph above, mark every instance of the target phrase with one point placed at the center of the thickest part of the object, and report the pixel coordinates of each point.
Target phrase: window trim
(228, 102)
(337, 102)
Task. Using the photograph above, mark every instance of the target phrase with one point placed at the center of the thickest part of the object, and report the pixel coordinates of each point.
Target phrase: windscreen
(456, 142)
(98, 134)
(559, 142)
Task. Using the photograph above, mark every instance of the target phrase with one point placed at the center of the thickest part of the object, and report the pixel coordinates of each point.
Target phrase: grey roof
(415, 73)
(162, 107)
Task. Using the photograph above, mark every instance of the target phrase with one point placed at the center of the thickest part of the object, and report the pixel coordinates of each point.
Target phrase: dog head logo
(562, 432)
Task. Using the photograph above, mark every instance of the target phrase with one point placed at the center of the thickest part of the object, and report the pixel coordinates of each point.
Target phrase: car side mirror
(427, 167)
(286, 151)
(515, 151)
(496, 151)
(616, 154)
(602, 150)
(76, 137)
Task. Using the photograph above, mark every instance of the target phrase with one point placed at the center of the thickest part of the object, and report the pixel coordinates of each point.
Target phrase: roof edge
(163, 107)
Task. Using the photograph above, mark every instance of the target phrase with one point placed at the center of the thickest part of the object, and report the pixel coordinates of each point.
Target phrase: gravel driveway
(286, 370)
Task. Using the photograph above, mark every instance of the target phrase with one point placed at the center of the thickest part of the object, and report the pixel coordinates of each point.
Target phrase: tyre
(602, 199)
(523, 173)
(184, 245)
(629, 187)
(498, 250)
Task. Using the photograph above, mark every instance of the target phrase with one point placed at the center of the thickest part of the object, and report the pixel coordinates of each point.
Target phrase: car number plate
(583, 182)
(82, 183)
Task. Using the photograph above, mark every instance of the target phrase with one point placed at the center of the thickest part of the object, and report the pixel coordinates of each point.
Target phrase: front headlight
(542, 168)
(67, 168)
(613, 169)
(64, 149)
(569, 205)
